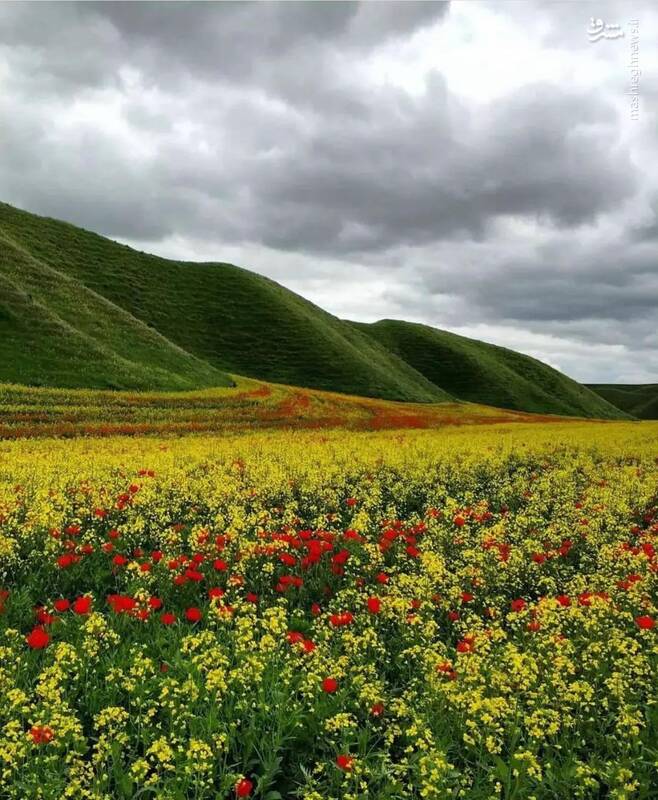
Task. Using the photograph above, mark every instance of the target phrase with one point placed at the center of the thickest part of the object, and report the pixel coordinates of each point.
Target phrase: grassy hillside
(640, 400)
(56, 332)
(231, 319)
(484, 373)
(79, 310)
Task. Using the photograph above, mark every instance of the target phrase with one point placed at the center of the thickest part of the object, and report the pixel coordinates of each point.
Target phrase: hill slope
(485, 373)
(640, 400)
(56, 332)
(230, 318)
(79, 310)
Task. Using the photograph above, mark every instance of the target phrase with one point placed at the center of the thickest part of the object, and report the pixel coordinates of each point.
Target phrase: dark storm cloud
(275, 125)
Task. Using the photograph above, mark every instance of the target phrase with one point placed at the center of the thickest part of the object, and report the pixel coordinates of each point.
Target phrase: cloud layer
(474, 167)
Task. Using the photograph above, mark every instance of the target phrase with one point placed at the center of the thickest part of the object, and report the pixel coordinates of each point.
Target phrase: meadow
(464, 612)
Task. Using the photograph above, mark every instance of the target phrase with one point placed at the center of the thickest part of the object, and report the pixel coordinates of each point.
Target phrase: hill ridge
(187, 325)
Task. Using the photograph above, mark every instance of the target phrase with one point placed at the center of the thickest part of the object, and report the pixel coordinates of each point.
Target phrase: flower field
(465, 613)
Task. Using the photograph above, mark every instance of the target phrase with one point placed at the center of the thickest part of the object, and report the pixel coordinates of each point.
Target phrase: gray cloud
(280, 132)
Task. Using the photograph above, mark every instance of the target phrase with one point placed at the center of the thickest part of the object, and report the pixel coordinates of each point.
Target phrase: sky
(489, 168)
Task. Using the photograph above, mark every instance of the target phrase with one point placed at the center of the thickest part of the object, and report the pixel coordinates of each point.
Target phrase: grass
(80, 311)
(639, 400)
(230, 318)
(28, 412)
(485, 373)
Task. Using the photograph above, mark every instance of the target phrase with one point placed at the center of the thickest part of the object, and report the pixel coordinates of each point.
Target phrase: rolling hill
(80, 310)
(639, 400)
(232, 319)
(485, 373)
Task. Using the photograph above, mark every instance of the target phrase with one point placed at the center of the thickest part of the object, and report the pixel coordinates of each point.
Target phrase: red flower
(382, 577)
(338, 620)
(243, 787)
(467, 597)
(374, 605)
(351, 502)
(518, 605)
(645, 622)
(344, 762)
(193, 614)
(65, 561)
(534, 626)
(563, 600)
(219, 565)
(377, 709)
(41, 734)
(459, 521)
(119, 560)
(329, 685)
(82, 605)
(121, 604)
(167, 618)
(37, 639)
(466, 645)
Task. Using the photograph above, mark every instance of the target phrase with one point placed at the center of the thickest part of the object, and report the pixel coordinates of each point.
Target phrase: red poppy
(351, 502)
(219, 565)
(459, 521)
(155, 603)
(377, 709)
(65, 561)
(167, 618)
(344, 762)
(466, 645)
(382, 577)
(82, 605)
(563, 600)
(329, 685)
(119, 560)
(467, 597)
(37, 639)
(243, 787)
(338, 620)
(534, 626)
(374, 605)
(41, 734)
(193, 614)
(518, 605)
(645, 622)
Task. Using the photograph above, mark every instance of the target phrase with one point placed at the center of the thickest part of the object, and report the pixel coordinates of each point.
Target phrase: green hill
(79, 310)
(640, 400)
(103, 302)
(485, 373)
(56, 332)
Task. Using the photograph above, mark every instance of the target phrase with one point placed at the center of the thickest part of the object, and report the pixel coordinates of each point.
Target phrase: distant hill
(485, 373)
(639, 400)
(79, 310)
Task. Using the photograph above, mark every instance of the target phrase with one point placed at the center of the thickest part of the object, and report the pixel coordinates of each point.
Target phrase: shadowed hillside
(640, 400)
(485, 373)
